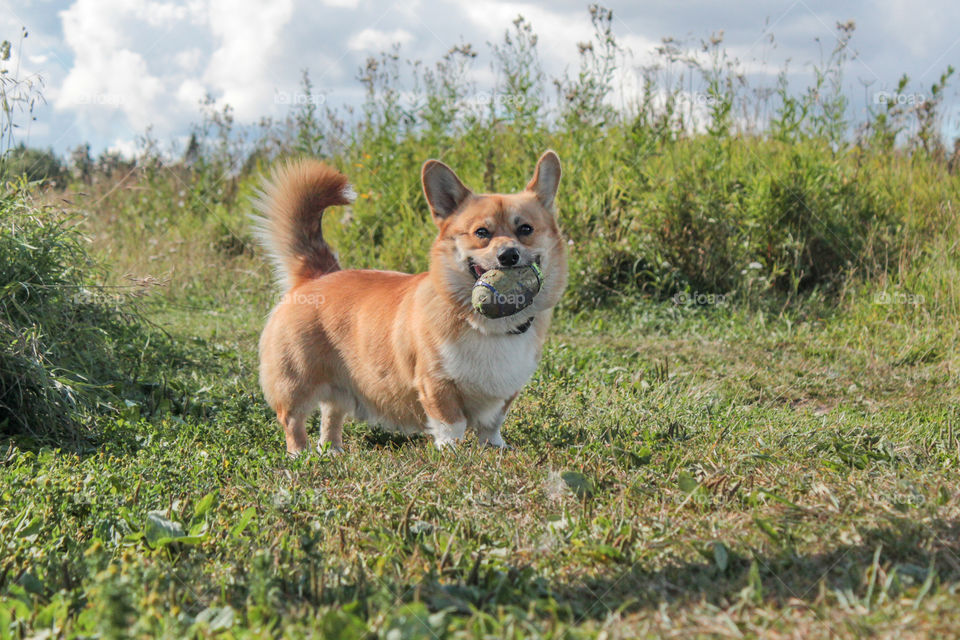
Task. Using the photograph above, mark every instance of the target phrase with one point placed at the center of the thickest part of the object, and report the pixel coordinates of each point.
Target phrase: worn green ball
(499, 293)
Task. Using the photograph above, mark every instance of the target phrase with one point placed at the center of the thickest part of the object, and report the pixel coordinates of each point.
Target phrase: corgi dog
(405, 352)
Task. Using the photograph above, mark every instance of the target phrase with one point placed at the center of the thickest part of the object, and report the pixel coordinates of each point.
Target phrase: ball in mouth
(503, 292)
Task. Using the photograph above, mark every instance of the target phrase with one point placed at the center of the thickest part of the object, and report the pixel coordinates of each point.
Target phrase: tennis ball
(499, 293)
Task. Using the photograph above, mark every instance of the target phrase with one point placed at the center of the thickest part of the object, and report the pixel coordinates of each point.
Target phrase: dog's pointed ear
(443, 189)
(546, 179)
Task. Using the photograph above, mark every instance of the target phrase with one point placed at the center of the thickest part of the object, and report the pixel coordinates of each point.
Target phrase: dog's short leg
(331, 426)
(445, 419)
(491, 436)
(488, 425)
(295, 430)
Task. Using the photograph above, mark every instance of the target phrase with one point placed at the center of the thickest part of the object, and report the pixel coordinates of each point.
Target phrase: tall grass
(703, 184)
(70, 348)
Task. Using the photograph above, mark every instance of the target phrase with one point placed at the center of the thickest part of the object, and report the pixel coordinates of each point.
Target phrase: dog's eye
(524, 230)
(482, 232)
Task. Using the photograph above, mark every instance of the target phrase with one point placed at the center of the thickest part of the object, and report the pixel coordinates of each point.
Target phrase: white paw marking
(446, 434)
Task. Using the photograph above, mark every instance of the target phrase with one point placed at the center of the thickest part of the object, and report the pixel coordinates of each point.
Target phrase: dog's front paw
(446, 435)
(491, 437)
(445, 443)
(328, 448)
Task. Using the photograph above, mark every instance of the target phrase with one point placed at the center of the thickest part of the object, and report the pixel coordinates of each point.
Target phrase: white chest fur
(491, 366)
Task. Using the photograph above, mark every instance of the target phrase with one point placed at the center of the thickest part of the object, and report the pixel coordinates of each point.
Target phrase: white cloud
(190, 93)
(189, 59)
(557, 33)
(165, 13)
(244, 68)
(152, 62)
(106, 71)
(374, 40)
(126, 148)
(121, 65)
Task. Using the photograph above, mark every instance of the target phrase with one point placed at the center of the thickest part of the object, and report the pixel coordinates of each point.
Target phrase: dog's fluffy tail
(290, 205)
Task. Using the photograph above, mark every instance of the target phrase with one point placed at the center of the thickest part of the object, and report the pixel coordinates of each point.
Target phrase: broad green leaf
(245, 518)
(721, 557)
(686, 482)
(205, 504)
(160, 531)
(32, 529)
(31, 583)
(580, 484)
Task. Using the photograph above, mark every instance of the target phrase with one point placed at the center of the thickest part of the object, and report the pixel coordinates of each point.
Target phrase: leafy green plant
(70, 347)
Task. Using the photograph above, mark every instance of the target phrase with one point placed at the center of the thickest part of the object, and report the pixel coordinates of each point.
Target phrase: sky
(113, 68)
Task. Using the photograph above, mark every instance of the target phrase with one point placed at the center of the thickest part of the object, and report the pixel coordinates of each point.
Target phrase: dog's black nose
(508, 257)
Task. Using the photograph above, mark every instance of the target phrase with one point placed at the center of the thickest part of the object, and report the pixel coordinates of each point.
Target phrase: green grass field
(746, 421)
(720, 473)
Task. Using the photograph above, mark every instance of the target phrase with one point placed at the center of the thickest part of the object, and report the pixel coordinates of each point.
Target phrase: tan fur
(395, 349)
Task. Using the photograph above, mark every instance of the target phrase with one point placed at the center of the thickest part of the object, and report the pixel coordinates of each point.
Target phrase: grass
(70, 345)
(719, 474)
(745, 422)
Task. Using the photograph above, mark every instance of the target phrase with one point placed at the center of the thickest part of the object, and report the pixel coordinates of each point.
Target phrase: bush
(68, 349)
